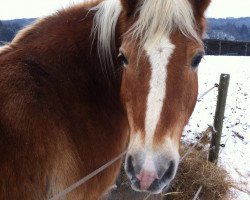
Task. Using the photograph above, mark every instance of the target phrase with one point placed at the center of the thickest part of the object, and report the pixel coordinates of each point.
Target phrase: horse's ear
(130, 6)
(201, 6)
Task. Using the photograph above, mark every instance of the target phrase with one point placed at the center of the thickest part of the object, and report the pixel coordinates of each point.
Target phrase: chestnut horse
(80, 86)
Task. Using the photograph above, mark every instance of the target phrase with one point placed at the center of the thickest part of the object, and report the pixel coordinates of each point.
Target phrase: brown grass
(196, 171)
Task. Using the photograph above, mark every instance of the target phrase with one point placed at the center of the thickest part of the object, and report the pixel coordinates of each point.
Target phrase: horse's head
(160, 50)
(160, 54)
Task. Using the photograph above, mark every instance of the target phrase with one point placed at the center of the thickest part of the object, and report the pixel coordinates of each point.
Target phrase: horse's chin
(161, 187)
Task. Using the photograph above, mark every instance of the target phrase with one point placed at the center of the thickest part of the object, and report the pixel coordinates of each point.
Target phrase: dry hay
(196, 171)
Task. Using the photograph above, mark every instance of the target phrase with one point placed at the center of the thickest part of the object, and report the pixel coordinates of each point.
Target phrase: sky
(12, 9)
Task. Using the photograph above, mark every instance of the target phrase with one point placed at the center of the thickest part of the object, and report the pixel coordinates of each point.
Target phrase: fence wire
(197, 193)
(86, 178)
(216, 85)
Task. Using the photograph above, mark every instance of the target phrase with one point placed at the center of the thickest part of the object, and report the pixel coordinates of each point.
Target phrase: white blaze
(159, 56)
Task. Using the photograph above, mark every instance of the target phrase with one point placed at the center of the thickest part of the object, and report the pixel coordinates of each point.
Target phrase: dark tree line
(237, 28)
(8, 31)
(223, 29)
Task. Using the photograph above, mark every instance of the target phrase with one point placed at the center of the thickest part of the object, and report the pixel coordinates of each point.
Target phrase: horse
(79, 87)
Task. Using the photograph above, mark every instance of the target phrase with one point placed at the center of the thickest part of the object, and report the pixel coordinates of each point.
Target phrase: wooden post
(220, 48)
(246, 49)
(205, 45)
(218, 119)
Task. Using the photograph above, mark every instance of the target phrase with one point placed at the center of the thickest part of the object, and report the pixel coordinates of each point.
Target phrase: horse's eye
(122, 59)
(196, 60)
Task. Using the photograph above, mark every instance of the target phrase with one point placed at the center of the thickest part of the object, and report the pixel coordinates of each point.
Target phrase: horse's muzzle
(150, 174)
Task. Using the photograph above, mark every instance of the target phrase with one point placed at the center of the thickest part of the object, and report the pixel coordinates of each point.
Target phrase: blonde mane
(105, 20)
(156, 19)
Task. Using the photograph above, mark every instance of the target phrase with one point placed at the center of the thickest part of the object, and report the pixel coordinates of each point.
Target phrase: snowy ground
(235, 157)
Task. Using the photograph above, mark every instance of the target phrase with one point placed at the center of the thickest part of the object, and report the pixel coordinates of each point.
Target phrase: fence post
(218, 119)
(220, 48)
(246, 49)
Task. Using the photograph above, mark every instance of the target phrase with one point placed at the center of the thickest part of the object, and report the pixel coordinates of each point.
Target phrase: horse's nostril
(130, 167)
(165, 179)
(169, 173)
(130, 164)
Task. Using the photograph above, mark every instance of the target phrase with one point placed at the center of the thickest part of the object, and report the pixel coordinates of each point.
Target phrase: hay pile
(195, 171)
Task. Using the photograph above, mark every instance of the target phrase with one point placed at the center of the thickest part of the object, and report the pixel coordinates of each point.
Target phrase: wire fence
(216, 85)
(102, 168)
(86, 178)
(225, 47)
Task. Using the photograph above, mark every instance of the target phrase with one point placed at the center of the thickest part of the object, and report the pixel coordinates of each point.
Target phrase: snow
(219, 35)
(235, 156)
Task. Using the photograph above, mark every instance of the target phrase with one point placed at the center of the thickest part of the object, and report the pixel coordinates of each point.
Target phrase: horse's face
(159, 92)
